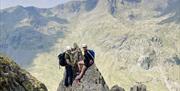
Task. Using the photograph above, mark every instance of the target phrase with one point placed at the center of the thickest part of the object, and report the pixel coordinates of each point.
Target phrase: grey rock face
(13, 78)
(91, 81)
(91, 4)
(133, 1)
(117, 88)
(147, 61)
(138, 87)
(172, 7)
(115, 4)
(173, 60)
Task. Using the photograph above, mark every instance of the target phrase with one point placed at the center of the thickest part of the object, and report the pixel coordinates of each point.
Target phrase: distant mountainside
(26, 32)
(134, 40)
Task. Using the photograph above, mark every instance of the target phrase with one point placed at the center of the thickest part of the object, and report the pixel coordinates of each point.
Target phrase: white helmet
(68, 48)
(84, 45)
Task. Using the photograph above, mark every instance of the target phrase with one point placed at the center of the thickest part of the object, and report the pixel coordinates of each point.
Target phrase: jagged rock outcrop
(117, 88)
(13, 78)
(147, 61)
(138, 87)
(91, 81)
(172, 60)
(114, 5)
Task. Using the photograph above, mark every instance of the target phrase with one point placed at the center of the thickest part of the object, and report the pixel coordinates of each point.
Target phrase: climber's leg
(66, 81)
(80, 65)
(82, 73)
(71, 75)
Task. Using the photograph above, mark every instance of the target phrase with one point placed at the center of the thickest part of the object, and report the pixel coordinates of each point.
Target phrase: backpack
(62, 60)
(92, 53)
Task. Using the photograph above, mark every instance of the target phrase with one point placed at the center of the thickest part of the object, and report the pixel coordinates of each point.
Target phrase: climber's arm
(68, 62)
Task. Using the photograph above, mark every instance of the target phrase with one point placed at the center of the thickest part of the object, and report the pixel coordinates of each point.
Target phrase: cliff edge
(13, 78)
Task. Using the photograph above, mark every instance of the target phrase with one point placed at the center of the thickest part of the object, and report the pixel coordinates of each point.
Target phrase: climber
(77, 57)
(69, 67)
(89, 56)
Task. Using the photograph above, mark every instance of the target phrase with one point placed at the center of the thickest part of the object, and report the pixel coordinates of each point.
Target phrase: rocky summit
(91, 81)
(94, 81)
(13, 78)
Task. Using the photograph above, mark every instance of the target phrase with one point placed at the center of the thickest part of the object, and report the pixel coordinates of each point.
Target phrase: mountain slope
(25, 31)
(13, 78)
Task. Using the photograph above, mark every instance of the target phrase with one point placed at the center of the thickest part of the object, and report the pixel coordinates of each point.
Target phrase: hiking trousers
(68, 76)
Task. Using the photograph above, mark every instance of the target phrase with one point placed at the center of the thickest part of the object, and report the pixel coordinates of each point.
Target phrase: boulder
(138, 87)
(147, 61)
(117, 88)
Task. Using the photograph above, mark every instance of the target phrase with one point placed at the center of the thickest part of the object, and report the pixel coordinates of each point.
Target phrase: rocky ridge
(94, 81)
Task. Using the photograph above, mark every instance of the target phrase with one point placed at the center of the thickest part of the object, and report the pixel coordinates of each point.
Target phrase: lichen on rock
(13, 78)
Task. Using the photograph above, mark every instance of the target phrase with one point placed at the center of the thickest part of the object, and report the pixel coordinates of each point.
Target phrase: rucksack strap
(90, 54)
